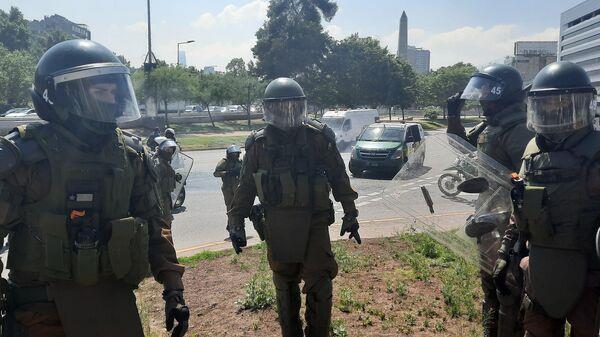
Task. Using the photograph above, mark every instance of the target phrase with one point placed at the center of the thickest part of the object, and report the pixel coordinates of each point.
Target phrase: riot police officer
(228, 169)
(151, 141)
(503, 136)
(292, 164)
(166, 174)
(559, 207)
(170, 133)
(79, 204)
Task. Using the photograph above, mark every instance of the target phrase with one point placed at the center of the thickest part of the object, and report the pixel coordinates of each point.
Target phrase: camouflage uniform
(229, 172)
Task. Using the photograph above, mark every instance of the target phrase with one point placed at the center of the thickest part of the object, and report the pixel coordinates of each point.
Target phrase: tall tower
(403, 37)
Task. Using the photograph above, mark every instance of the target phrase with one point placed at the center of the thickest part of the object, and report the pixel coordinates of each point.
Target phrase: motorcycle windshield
(182, 165)
(426, 194)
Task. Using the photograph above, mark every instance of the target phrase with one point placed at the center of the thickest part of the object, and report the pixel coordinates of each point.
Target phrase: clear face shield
(102, 94)
(285, 114)
(560, 114)
(481, 88)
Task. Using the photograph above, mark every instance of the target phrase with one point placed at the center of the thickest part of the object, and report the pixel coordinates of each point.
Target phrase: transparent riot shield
(182, 165)
(455, 194)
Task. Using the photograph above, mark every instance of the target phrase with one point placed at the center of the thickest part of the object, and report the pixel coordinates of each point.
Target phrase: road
(201, 224)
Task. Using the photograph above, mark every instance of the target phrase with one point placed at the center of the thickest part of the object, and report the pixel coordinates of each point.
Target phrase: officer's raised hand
(237, 234)
(176, 310)
(455, 104)
(350, 225)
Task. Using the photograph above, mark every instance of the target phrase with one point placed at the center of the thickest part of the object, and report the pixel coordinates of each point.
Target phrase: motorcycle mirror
(474, 185)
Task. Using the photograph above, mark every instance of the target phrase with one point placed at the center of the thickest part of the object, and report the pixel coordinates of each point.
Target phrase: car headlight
(400, 153)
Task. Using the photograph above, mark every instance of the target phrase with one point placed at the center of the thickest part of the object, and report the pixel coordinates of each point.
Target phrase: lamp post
(178, 43)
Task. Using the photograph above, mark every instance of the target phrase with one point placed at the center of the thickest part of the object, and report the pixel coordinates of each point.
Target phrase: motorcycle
(448, 182)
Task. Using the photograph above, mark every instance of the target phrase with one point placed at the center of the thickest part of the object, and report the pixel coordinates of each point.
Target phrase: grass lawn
(405, 285)
(207, 142)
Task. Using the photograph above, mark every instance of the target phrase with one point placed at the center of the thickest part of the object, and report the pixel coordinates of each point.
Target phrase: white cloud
(138, 27)
(205, 21)
(253, 11)
(335, 31)
(476, 45)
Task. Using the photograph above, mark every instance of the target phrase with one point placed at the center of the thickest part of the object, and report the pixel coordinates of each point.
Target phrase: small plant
(347, 303)
(365, 320)
(347, 261)
(260, 293)
(338, 329)
(440, 327)
(400, 288)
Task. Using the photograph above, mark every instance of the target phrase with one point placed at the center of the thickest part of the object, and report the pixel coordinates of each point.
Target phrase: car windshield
(383, 134)
(333, 122)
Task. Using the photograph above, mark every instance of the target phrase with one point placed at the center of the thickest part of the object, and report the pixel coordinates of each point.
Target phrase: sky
(475, 31)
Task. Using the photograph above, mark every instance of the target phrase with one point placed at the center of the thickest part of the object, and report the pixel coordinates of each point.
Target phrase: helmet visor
(560, 113)
(285, 114)
(482, 88)
(104, 95)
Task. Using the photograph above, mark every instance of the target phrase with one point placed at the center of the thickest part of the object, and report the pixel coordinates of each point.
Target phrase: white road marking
(363, 203)
(373, 194)
(376, 199)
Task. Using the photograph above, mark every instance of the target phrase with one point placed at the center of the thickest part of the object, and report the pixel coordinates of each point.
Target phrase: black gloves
(350, 225)
(176, 310)
(455, 105)
(237, 234)
(499, 274)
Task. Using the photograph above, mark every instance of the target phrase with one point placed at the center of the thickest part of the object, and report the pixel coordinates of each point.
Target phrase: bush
(431, 112)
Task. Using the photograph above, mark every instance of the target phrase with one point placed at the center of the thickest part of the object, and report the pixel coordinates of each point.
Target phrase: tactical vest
(561, 218)
(289, 175)
(82, 230)
(488, 141)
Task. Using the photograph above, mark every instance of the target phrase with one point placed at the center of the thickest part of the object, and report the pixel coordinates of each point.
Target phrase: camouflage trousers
(318, 270)
(228, 192)
(584, 317)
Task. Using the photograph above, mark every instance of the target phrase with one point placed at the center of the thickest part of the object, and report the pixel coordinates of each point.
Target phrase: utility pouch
(302, 191)
(56, 251)
(535, 213)
(259, 179)
(86, 266)
(321, 192)
(288, 189)
(287, 231)
(128, 249)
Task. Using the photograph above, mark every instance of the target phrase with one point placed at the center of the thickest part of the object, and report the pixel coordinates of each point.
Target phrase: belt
(27, 295)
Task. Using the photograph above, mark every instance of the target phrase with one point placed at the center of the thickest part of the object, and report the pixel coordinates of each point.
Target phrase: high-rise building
(531, 56)
(580, 38)
(57, 22)
(182, 59)
(418, 58)
(403, 37)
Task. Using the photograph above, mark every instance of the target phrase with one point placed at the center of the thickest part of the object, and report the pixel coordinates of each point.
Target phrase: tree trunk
(444, 112)
(390, 113)
(166, 114)
(402, 114)
(210, 116)
(248, 107)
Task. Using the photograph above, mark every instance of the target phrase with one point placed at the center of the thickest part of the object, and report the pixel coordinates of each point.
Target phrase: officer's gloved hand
(176, 310)
(499, 275)
(237, 234)
(454, 105)
(350, 225)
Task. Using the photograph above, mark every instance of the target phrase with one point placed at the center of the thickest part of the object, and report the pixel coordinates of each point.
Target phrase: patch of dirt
(379, 295)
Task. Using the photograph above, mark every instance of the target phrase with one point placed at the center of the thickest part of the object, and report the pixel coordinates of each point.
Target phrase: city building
(531, 56)
(418, 58)
(208, 70)
(75, 30)
(182, 59)
(580, 38)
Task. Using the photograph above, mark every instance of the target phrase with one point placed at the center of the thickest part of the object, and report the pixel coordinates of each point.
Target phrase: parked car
(386, 147)
(348, 124)
(19, 112)
(193, 108)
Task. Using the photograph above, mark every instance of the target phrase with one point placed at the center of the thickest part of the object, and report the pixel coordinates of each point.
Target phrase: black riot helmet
(495, 87)
(284, 104)
(561, 100)
(83, 81)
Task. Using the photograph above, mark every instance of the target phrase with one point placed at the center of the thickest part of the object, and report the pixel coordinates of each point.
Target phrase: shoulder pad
(30, 150)
(531, 148)
(254, 136)
(133, 142)
(10, 156)
(589, 147)
(321, 128)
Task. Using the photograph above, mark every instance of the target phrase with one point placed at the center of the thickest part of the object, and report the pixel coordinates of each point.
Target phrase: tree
(245, 91)
(14, 30)
(436, 87)
(44, 41)
(16, 76)
(236, 67)
(168, 83)
(401, 86)
(212, 89)
(292, 41)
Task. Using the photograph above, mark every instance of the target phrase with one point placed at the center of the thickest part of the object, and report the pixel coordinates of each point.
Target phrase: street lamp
(178, 43)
